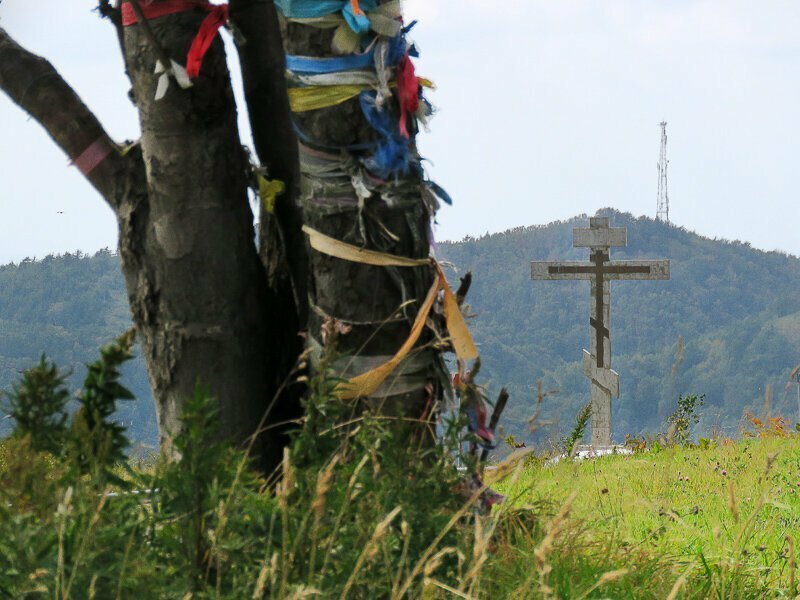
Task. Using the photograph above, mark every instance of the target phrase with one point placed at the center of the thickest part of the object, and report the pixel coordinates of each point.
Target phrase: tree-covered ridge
(737, 310)
(67, 307)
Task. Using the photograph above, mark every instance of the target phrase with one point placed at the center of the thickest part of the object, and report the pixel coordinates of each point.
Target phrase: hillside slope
(67, 307)
(736, 308)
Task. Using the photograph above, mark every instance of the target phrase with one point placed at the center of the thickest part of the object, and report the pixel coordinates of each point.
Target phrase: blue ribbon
(392, 156)
(439, 192)
(310, 9)
(310, 65)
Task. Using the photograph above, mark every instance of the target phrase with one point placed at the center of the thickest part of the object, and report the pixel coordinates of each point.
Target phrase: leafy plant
(679, 423)
(37, 403)
(570, 442)
(97, 442)
(93, 442)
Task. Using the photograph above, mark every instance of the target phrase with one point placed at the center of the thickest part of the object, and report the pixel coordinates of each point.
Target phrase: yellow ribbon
(314, 97)
(366, 383)
(463, 344)
(268, 191)
(333, 247)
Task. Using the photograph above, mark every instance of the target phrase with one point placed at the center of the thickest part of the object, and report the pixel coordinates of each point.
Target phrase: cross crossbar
(618, 269)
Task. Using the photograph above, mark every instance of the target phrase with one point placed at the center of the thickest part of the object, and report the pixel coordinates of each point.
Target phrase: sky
(546, 109)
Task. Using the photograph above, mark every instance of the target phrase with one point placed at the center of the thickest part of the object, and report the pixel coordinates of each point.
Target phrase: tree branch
(463, 289)
(263, 64)
(35, 86)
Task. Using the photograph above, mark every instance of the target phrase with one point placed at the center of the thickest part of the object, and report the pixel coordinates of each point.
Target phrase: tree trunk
(282, 244)
(378, 303)
(201, 300)
(197, 289)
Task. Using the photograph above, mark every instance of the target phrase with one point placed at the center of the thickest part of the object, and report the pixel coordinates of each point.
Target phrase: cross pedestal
(600, 270)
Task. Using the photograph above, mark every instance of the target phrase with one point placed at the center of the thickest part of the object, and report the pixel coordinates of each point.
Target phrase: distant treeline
(67, 307)
(737, 310)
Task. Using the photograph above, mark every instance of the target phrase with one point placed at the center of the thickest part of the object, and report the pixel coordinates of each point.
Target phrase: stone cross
(600, 270)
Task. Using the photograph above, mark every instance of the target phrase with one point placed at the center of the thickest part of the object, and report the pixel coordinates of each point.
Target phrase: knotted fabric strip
(463, 344)
(351, 10)
(216, 18)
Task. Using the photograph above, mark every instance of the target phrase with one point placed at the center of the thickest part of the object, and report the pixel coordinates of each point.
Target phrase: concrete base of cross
(589, 451)
(584, 452)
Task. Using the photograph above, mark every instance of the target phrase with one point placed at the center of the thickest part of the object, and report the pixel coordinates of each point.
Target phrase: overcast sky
(547, 109)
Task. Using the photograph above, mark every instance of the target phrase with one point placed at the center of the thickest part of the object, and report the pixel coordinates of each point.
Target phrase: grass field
(719, 521)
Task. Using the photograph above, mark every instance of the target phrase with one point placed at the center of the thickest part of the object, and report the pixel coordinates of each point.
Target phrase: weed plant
(362, 507)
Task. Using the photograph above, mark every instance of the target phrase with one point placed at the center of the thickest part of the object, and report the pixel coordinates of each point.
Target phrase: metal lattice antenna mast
(662, 208)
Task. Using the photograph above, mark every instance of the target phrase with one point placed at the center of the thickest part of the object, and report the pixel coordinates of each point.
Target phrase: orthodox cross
(600, 270)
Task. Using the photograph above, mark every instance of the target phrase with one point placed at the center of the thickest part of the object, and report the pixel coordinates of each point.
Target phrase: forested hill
(67, 307)
(737, 309)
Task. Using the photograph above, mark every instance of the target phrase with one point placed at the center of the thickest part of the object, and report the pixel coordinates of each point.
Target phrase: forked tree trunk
(198, 291)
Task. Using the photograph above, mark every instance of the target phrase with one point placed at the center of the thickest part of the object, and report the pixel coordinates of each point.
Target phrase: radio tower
(662, 209)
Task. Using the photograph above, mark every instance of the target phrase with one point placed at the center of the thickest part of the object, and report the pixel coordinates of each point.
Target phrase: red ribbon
(407, 92)
(216, 18)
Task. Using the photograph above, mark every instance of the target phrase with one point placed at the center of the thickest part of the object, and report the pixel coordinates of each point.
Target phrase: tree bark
(379, 303)
(197, 289)
(205, 309)
(281, 241)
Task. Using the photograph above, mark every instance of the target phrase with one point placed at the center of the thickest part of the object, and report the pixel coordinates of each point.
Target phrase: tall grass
(364, 508)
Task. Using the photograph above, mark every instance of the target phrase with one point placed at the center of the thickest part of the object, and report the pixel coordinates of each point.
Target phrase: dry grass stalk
(506, 466)
(447, 588)
(404, 532)
(93, 588)
(62, 511)
(432, 546)
(612, 576)
(732, 502)
(349, 496)
(370, 550)
(480, 554)
(286, 484)
(282, 491)
(273, 568)
(678, 585)
(304, 592)
(497, 474)
(770, 461)
(261, 582)
(86, 536)
(436, 561)
(607, 577)
(792, 565)
(324, 480)
(545, 548)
